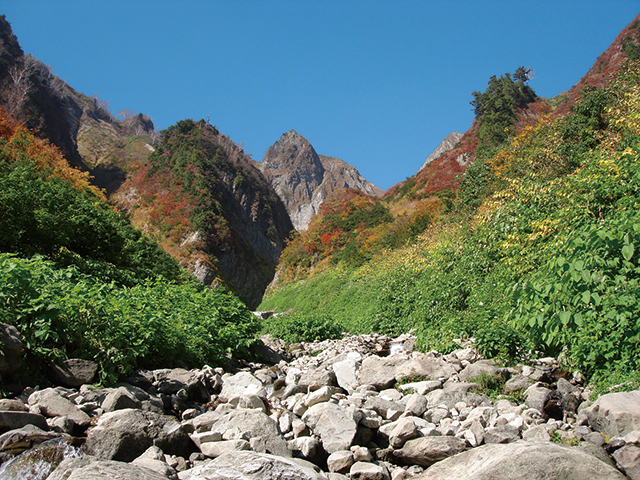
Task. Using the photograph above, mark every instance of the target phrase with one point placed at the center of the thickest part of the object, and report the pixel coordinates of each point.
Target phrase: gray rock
(15, 420)
(453, 394)
(628, 460)
(252, 426)
(615, 414)
(421, 388)
(537, 433)
(429, 450)
(482, 367)
(153, 459)
(404, 430)
(416, 405)
(502, 434)
(215, 449)
(75, 372)
(87, 468)
(126, 434)
(315, 378)
(253, 466)
(333, 424)
(422, 367)
(16, 441)
(340, 461)
(192, 381)
(367, 471)
(119, 399)
(533, 461)
(10, 349)
(537, 397)
(308, 447)
(378, 371)
(52, 404)
(346, 372)
(517, 383)
(240, 384)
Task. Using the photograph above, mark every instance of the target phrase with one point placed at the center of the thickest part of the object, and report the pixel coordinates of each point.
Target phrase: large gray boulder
(242, 383)
(192, 381)
(429, 450)
(333, 424)
(52, 404)
(533, 461)
(126, 434)
(378, 371)
(255, 427)
(615, 414)
(422, 367)
(91, 468)
(15, 420)
(74, 372)
(247, 465)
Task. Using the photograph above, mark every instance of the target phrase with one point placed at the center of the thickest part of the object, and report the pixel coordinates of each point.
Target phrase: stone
(119, 399)
(502, 434)
(315, 378)
(16, 441)
(404, 430)
(416, 405)
(537, 433)
(340, 461)
(537, 397)
(241, 383)
(252, 425)
(367, 471)
(517, 383)
(13, 420)
(333, 424)
(535, 461)
(308, 447)
(74, 372)
(247, 465)
(346, 372)
(421, 388)
(10, 349)
(87, 468)
(628, 460)
(52, 404)
(323, 394)
(424, 368)
(215, 449)
(377, 371)
(615, 414)
(192, 381)
(428, 450)
(153, 459)
(361, 454)
(125, 434)
(453, 394)
(9, 405)
(482, 367)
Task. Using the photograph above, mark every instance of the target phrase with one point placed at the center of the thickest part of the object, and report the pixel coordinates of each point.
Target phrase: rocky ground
(363, 407)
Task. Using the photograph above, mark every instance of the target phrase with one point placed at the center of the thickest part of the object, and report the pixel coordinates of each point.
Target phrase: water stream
(37, 463)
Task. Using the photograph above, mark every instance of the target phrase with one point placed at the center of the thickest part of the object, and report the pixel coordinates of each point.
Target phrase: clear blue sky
(376, 83)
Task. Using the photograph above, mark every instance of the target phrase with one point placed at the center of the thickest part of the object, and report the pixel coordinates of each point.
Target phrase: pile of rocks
(363, 407)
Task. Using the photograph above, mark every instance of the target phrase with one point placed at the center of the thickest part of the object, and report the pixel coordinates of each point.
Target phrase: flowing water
(37, 463)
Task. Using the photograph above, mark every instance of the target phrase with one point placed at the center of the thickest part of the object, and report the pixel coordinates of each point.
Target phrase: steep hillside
(304, 179)
(534, 254)
(209, 207)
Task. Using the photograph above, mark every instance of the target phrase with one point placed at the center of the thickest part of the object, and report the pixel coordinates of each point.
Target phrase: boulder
(533, 461)
(15, 420)
(52, 404)
(88, 468)
(367, 471)
(315, 378)
(19, 440)
(74, 372)
(253, 466)
(615, 414)
(628, 460)
(482, 367)
(517, 383)
(191, 381)
(340, 461)
(119, 399)
(378, 371)
(10, 349)
(255, 427)
(240, 384)
(346, 371)
(126, 434)
(333, 424)
(429, 450)
(422, 367)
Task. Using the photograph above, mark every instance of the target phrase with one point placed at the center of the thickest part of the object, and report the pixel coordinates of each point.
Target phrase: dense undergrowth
(548, 263)
(77, 280)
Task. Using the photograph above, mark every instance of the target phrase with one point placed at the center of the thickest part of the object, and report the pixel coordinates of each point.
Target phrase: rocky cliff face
(304, 179)
(449, 143)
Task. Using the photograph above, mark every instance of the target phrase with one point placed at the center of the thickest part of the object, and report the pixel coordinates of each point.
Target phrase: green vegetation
(548, 263)
(293, 328)
(79, 281)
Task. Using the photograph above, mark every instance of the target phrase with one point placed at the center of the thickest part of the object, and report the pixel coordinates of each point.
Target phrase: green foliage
(293, 327)
(490, 385)
(61, 313)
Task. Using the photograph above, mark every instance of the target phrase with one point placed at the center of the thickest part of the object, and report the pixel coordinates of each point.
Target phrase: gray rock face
(303, 179)
(616, 414)
(10, 348)
(533, 461)
(447, 144)
(378, 371)
(15, 420)
(75, 372)
(126, 434)
(253, 466)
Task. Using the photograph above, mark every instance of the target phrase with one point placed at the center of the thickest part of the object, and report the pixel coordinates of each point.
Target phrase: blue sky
(376, 83)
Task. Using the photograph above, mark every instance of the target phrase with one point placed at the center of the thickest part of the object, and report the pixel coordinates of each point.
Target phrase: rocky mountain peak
(304, 179)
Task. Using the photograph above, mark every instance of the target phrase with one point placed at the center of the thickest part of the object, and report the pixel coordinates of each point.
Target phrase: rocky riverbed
(362, 407)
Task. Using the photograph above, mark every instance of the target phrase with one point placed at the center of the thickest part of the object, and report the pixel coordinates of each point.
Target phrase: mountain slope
(304, 179)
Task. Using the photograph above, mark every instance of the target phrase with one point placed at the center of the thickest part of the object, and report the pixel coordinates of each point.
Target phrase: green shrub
(293, 327)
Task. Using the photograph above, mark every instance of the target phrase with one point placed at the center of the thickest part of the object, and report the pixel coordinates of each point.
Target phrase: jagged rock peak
(304, 179)
(447, 144)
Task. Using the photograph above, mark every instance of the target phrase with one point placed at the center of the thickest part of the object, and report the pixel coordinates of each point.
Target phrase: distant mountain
(193, 190)
(304, 179)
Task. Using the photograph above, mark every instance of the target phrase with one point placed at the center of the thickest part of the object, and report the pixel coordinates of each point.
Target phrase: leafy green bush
(295, 327)
(61, 313)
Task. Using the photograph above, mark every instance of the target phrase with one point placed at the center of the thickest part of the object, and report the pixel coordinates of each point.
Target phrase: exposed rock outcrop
(449, 143)
(304, 179)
